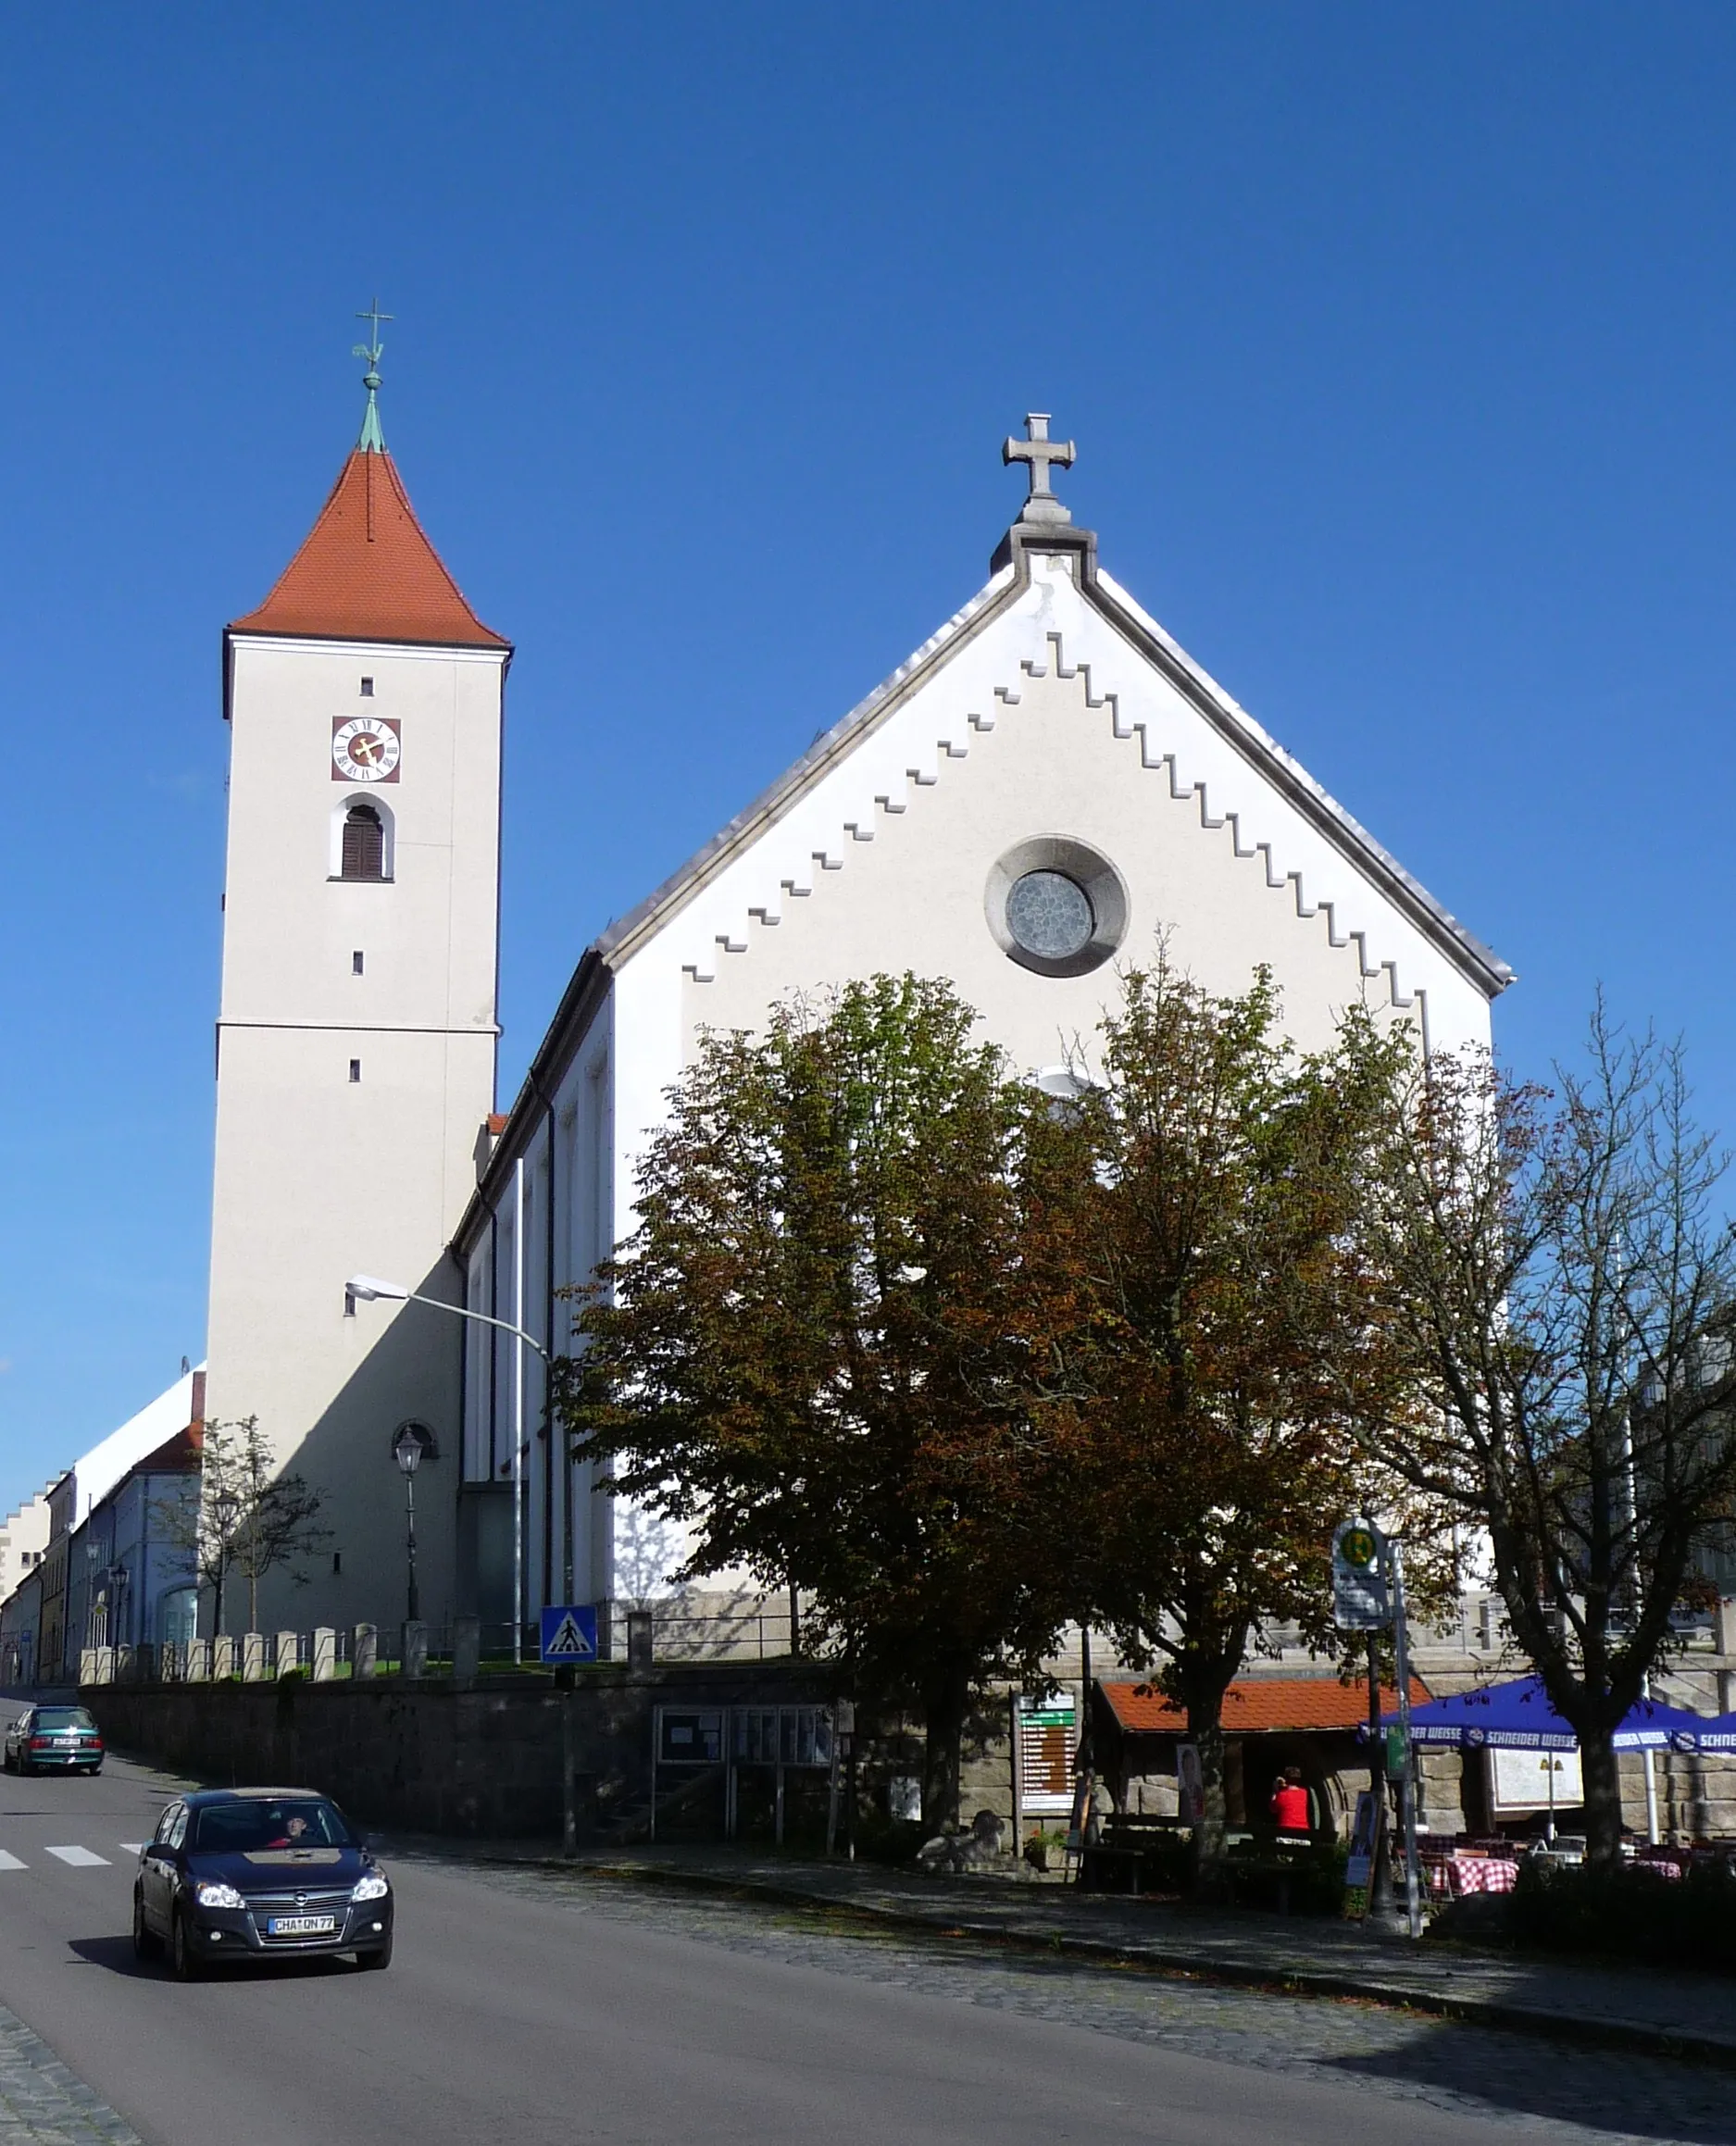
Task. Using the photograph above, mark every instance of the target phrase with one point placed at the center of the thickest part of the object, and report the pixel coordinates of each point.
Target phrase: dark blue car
(251, 1874)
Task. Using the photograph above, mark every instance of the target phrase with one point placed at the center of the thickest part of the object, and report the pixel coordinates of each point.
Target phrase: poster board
(1363, 1834)
(1190, 1785)
(1520, 1780)
(1047, 1738)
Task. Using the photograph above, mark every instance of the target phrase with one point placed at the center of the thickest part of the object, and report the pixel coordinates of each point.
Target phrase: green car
(53, 1740)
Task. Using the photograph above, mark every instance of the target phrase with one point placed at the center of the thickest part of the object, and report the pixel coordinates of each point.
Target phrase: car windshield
(255, 1822)
(63, 1717)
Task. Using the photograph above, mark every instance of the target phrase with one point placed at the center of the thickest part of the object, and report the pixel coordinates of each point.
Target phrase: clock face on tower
(365, 749)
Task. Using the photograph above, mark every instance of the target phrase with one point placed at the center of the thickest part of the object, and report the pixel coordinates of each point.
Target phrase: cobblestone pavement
(42, 2103)
(1543, 2090)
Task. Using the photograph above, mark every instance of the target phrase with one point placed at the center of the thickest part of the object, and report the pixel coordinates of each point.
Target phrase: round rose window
(1055, 905)
(1050, 915)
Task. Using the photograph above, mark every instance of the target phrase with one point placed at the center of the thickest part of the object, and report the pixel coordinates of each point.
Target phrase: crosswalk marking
(81, 1858)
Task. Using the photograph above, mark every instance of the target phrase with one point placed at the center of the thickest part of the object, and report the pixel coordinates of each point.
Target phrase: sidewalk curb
(1638, 2037)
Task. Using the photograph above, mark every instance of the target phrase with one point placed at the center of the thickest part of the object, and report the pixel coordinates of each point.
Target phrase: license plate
(300, 1926)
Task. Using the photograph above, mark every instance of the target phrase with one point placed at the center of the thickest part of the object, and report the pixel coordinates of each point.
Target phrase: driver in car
(294, 1833)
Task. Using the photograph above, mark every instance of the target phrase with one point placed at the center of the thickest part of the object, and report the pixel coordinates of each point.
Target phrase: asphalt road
(516, 2015)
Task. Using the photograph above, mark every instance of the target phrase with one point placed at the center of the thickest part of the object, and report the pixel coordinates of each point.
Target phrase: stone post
(225, 1656)
(253, 1657)
(365, 1651)
(467, 1650)
(126, 1664)
(325, 1654)
(413, 1654)
(289, 1653)
(641, 1643)
(198, 1661)
(88, 1660)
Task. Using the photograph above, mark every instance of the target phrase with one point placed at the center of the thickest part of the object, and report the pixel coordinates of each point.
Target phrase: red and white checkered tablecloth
(1484, 1874)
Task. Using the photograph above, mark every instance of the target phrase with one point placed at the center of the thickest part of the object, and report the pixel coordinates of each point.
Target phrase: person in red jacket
(1289, 1801)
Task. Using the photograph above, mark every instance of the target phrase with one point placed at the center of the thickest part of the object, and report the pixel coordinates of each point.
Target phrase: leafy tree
(1559, 1290)
(1197, 1263)
(246, 1521)
(811, 1359)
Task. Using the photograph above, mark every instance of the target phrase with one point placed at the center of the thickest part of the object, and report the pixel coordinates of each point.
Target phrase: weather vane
(371, 435)
(373, 351)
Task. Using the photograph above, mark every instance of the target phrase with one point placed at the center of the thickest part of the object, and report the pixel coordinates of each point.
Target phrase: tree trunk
(945, 1694)
(1602, 1777)
(1207, 1737)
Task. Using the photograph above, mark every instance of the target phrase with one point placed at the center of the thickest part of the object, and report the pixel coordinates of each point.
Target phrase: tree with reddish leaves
(1197, 1263)
(811, 1354)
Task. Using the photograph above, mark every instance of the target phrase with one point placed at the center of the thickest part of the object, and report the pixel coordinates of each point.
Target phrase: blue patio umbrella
(1518, 1717)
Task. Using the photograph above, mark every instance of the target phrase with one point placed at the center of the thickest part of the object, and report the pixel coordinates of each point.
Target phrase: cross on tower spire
(1040, 453)
(372, 439)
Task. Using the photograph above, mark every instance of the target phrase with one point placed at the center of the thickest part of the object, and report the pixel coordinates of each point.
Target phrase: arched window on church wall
(364, 844)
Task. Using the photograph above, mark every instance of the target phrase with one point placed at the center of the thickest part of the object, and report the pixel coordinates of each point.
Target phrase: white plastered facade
(1051, 705)
(350, 1095)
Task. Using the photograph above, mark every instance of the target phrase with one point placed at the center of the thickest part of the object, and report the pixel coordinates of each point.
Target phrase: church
(1043, 788)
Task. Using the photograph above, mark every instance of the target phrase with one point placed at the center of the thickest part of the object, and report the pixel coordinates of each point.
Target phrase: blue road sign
(570, 1634)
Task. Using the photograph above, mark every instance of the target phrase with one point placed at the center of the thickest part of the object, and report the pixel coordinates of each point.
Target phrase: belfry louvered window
(364, 844)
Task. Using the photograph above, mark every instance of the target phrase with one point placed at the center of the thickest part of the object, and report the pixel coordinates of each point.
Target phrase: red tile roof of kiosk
(1258, 1705)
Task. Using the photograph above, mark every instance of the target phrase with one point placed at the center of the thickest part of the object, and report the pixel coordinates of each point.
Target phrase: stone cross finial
(1039, 452)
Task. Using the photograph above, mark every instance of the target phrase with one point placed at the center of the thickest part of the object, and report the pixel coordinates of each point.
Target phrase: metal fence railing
(634, 1633)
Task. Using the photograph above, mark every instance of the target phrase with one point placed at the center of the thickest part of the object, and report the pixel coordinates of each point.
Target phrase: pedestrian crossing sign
(570, 1634)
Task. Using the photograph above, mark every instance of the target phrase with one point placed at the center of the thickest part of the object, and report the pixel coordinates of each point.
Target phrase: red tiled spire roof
(368, 572)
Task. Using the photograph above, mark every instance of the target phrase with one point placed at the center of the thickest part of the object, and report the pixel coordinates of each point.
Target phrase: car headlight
(372, 1887)
(215, 1895)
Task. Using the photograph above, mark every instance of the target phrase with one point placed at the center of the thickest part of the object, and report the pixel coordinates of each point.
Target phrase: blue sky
(1398, 343)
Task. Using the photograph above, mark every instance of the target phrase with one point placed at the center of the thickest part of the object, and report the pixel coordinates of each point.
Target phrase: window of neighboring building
(364, 844)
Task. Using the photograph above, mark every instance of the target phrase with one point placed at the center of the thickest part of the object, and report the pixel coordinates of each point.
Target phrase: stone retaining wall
(427, 1756)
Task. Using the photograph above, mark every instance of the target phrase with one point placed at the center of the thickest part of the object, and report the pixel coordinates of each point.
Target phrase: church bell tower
(356, 1035)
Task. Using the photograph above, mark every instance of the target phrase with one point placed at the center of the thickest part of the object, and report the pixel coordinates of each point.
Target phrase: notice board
(1048, 1735)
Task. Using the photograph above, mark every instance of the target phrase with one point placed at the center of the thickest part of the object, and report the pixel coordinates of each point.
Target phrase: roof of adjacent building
(1257, 1705)
(366, 571)
(179, 1455)
(96, 1473)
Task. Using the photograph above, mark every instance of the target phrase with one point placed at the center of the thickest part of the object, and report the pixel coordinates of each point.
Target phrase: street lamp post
(370, 1289)
(407, 1452)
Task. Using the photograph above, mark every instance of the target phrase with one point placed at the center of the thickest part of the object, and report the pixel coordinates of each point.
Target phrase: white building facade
(1047, 786)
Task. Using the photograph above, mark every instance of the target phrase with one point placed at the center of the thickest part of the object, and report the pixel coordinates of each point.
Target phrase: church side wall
(569, 1228)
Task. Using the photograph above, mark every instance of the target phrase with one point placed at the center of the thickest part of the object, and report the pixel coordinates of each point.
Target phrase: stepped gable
(366, 571)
